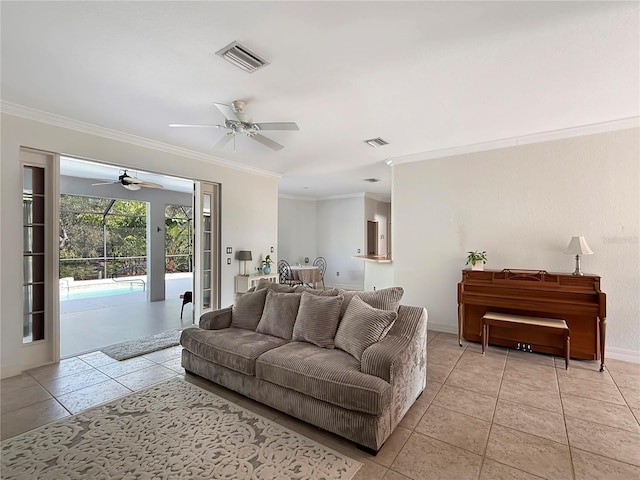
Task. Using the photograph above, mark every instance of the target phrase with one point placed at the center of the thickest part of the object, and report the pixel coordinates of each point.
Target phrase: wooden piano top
(537, 279)
(532, 289)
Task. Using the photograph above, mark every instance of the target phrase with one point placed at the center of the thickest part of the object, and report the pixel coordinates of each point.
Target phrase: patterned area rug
(174, 430)
(144, 345)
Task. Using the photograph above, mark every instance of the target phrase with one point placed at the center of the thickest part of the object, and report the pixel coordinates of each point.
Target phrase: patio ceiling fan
(236, 121)
(129, 182)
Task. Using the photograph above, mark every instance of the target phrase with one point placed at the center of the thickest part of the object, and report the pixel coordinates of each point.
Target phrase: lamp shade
(578, 246)
(244, 255)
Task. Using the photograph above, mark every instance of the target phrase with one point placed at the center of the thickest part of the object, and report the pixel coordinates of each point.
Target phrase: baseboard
(632, 356)
(622, 354)
(10, 372)
(442, 327)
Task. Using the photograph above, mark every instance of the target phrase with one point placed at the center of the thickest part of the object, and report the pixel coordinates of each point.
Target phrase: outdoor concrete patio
(89, 324)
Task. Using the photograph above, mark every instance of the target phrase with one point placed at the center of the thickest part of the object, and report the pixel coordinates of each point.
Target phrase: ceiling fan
(236, 121)
(129, 182)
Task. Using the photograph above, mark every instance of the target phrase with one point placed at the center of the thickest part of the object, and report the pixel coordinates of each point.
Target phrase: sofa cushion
(384, 299)
(362, 326)
(279, 314)
(317, 319)
(331, 292)
(332, 376)
(278, 287)
(247, 310)
(234, 348)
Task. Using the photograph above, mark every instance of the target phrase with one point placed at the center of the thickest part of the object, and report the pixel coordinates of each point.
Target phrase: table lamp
(244, 255)
(578, 246)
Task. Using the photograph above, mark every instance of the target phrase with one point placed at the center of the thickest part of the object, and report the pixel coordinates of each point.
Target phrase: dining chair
(321, 263)
(285, 275)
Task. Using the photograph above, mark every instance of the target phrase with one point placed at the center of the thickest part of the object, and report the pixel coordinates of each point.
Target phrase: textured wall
(522, 204)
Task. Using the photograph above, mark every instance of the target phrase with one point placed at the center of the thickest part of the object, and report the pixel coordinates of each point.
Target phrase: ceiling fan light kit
(237, 121)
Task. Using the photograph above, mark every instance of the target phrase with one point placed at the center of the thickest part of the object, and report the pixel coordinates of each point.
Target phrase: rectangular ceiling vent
(242, 57)
(376, 142)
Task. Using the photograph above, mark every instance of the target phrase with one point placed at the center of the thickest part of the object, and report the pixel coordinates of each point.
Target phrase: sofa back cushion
(279, 314)
(247, 310)
(317, 319)
(362, 326)
(331, 292)
(384, 299)
(278, 287)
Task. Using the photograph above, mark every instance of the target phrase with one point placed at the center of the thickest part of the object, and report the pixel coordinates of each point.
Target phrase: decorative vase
(478, 266)
(266, 269)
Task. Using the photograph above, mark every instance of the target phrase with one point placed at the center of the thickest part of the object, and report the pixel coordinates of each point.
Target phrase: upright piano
(576, 299)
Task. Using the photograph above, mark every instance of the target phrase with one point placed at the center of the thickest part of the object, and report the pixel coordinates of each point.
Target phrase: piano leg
(603, 331)
(460, 323)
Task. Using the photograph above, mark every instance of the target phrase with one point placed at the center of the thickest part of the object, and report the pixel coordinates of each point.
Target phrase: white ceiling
(425, 76)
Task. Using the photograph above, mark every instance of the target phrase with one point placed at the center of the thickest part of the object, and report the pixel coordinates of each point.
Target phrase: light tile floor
(505, 415)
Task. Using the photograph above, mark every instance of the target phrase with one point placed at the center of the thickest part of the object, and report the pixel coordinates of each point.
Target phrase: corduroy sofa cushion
(331, 292)
(278, 287)
(332, 376)
(362, 326)
(317, 320)
(247, 310)
(234, 348)
(384, 299)
(279, 314)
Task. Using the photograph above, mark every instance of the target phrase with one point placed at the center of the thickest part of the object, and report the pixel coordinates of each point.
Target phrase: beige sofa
(351, 363)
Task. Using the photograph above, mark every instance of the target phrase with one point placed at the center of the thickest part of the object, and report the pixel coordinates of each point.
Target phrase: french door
(206, 295)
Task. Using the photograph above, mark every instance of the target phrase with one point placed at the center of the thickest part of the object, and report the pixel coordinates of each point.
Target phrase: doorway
(372, 238)
(125, 255)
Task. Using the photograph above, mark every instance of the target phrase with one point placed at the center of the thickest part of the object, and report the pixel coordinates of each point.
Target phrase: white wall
(296, 230)
(340, 236)
(248, 203)
(522, 204)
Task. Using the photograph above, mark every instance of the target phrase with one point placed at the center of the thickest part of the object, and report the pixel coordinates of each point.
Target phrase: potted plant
(266, 265)
(476, 259)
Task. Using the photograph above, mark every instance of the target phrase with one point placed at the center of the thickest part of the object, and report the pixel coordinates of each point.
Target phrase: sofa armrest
(404, 348)
(216, 320)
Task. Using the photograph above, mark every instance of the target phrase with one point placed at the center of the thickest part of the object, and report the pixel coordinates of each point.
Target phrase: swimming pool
(98, 290)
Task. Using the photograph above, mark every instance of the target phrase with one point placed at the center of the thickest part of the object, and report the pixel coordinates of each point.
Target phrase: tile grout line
(566, 430)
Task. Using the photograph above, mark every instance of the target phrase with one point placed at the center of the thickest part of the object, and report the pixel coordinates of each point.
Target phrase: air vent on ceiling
(242, 57)
(376, 142)
(372, 180)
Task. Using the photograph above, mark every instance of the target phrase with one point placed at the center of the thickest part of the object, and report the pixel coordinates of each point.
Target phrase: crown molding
(378, 197)
(620, 124)
(77, 125)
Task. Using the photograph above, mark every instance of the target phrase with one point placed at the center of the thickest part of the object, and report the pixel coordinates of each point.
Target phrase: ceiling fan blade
(277, 126)
(106, 182)
(267, 142)
(183, 125)
(150, 185)
(228, 112)
(223, 141)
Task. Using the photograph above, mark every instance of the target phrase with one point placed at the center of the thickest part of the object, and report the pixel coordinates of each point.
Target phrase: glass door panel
(33, 208)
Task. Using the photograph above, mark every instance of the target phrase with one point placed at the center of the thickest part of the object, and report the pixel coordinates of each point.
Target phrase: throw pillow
(279, 314)
(278, 287)
(332, 292)
(247, 310)
(384, 299)
(317, 319)
(362, 326)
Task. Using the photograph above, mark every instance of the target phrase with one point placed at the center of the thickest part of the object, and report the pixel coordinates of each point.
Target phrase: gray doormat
(144, 345)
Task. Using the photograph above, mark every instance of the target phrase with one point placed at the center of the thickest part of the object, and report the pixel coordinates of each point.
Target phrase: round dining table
(308, 275)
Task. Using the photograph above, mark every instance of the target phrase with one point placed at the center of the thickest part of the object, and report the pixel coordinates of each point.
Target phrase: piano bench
(553, 326)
